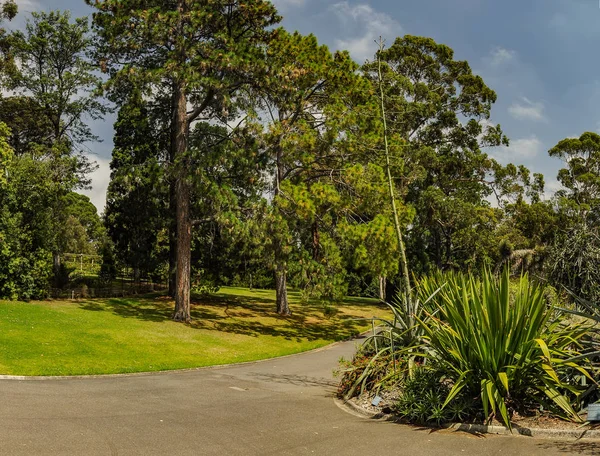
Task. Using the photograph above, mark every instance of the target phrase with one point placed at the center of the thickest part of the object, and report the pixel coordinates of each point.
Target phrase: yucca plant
(509, 348)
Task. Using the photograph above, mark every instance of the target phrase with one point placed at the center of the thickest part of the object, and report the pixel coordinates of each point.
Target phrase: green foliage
(29, 125)
(423, 396)
(368, 371)
(6, 155)
(304, 96)
(573, 261)
(137, 198)
(397, 341)
(509, 348)
(108, 268)
(581, 177)
(54, 70)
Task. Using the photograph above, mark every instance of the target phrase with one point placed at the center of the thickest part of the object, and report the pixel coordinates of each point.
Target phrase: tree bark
(172, 236)
(316, 240)
(182, 195)
(56, 261)
(283, 307)
(382, 286)
(281, 298)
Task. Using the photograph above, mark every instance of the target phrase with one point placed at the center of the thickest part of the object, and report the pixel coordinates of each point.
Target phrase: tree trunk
(172, 237)
(56, 266)
(281, 298)
(283, 307)
(316, 240)
(382, 286)
(182, 195)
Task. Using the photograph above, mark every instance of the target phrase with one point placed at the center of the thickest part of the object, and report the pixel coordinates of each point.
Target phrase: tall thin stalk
(403, 262)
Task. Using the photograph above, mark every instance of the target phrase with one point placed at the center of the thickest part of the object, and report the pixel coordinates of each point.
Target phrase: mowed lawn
(107, 336)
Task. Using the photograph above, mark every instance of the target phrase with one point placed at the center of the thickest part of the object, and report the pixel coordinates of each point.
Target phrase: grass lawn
(105, 336)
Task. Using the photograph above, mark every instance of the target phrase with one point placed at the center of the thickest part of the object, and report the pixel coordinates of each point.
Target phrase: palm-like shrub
(389, 353)
(508, 347)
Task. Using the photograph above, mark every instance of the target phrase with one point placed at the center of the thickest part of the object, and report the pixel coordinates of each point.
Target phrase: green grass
(106, 336)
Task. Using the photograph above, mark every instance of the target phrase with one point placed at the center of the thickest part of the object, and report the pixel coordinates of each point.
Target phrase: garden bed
(541, 422)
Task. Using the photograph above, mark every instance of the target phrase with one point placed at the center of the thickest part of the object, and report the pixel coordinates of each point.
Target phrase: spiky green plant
(511, 348)
(397, 340)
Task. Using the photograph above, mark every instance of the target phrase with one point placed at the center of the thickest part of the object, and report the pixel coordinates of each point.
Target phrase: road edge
(538, 433)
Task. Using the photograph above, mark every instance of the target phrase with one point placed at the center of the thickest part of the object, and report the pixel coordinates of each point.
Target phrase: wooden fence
(114, 291)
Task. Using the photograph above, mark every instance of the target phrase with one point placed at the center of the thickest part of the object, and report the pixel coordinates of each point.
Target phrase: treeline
(248, 155)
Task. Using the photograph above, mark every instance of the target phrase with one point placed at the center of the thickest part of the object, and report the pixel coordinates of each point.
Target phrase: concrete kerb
(173, 371)
(570, 434)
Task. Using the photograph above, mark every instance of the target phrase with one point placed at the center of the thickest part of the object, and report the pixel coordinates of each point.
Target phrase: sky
(540, 56)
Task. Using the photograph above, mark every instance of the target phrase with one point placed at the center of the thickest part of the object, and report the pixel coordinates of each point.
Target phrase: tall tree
(437, 115)
(204, 51)
(581, 177)
(53, 69)
(303, 96)
(31, 131)
(137, 194)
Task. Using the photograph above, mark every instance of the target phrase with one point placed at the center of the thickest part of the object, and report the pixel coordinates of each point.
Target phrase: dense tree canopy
(245, 154)
(204, 52)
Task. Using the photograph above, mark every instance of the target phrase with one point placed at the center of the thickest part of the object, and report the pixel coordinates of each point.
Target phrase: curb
(172, 371)
(571, 434)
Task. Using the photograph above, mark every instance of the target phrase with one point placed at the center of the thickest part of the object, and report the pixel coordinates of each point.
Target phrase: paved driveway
(276, 407)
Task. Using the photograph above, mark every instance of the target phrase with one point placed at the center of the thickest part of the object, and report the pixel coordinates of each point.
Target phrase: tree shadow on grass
(239, 315)
(142, 309)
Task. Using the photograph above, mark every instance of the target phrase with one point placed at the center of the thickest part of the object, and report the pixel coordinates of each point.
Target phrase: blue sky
(540, 56)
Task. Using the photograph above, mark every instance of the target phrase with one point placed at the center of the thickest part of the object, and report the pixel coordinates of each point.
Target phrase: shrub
(368, 371)
(396, 342)
(508, 348)
(423, 395)
(574, 261)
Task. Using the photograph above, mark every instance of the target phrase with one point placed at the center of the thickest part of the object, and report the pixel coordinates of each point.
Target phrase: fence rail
(130, 289)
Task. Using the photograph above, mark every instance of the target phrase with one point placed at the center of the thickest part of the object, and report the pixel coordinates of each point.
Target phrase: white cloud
(365, 25)
(550, 188)
(28, 5)
(501, 56)
(519, 150)
(285, 4)
(527, 110)
(100, 180)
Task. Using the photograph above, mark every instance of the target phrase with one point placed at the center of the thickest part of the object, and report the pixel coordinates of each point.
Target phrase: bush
(423, 396)
(574, 261)
(511, 349)
(368, 371)
(396, 342)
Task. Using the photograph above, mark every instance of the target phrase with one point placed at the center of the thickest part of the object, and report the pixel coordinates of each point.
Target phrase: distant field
(105, 336)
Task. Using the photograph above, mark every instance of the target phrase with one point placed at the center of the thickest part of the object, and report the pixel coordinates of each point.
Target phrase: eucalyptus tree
(205, 52)
(436, 119)
(573, 259)
(581, 177)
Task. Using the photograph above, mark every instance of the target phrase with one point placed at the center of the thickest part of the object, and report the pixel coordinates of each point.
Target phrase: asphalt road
(277, 407)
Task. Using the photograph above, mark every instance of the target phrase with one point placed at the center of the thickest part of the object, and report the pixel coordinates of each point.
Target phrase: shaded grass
(104, 336)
